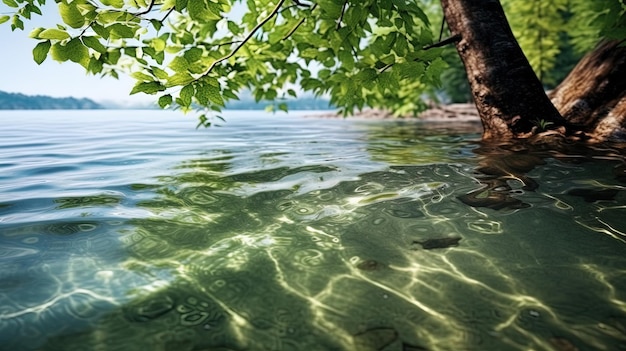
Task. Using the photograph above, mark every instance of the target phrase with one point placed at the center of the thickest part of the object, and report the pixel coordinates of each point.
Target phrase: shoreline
(465, 112)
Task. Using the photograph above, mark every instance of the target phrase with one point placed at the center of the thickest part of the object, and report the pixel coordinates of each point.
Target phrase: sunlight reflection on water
(286, 233)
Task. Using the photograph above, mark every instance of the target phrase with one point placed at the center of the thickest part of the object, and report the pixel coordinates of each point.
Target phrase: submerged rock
(148, 309)
(375, 338)
(496, 196)
(561, 344)
(370, 265)
(593, 195)
(620, 173)
(438, 243)
(492, 199)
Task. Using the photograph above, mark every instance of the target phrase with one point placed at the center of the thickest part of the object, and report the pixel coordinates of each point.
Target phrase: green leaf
(229, 94)
(40, 52)
(366, 75)
(165, 101)
(53, 33)
(186, 94)
(234, 28)
(202, 94)
(203, 121)
(95, 66)
(401, 46)
(34, 9)
(346, 58)
(178, 79)
(410, 69)
(4, 18)
(215, 96)
(17, 23)
(94, 43)
(100, 30)
(10, 3)
(159, 73)
(35, 32)
(434, 70)
(71, 15)
(156, 24)
(77, 52)
(113, 56)
(118, 4)
(142, 77)
(193, 54)
(58, 52)
(181, 4)
(108, 17)
(197, 10)
(120, 30)
(147, 87)
(179, 64)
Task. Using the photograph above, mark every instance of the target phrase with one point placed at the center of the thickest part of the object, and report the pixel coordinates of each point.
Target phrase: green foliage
(542, 124)
(196, 54)
(555, 34)
(361, 53)
(594, 20)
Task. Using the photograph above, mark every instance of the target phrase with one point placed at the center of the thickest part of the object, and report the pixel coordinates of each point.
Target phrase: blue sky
(20, 74)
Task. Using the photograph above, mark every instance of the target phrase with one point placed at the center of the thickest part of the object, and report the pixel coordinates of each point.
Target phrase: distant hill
(16, 101)
(301, 103)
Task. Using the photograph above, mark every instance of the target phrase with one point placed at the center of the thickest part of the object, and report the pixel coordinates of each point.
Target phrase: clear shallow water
(126, 230)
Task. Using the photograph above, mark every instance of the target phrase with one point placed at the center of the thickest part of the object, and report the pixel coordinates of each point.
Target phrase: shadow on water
(313, 257)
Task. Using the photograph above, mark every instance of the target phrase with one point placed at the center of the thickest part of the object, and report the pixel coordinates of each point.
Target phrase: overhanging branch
(150, 6)
(452, 39)
(247, 38)
(293, 30)
(343, 11)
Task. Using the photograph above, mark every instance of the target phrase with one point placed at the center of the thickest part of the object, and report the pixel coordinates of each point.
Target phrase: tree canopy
(197, 54)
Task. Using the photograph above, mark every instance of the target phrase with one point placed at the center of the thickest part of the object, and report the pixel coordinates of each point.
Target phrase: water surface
(129, 230)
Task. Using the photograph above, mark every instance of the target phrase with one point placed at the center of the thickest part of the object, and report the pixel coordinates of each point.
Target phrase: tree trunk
(508, 95)
(592, 98)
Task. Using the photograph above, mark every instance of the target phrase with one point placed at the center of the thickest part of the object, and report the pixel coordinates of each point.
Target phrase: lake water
(131, 230)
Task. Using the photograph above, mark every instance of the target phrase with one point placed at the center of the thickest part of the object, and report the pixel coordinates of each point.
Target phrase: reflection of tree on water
(503, 172)
(245, 259)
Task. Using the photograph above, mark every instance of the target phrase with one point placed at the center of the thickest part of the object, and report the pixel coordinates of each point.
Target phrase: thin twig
(207, 45)
(167, 14)
(137, 14)
(293, 30)
(343, 11)
(298, 3)
(443, 21)
(247, 38)
(452, 39)
(447, 41)
(385, 67)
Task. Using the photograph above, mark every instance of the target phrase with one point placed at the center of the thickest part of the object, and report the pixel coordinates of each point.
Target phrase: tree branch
(169, 12)
(298, 3)
(343, 11)
(247, 38)
(293, 30)
(141, 13)
(452, 39)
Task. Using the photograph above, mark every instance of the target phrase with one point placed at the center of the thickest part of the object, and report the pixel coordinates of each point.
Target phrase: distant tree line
(16, 101)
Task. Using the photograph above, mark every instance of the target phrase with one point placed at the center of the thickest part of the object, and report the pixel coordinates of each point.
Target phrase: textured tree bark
(592, 98)
(508, 95)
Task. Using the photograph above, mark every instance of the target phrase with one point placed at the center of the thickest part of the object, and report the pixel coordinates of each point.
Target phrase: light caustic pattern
(264, 248)
(342, 268)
